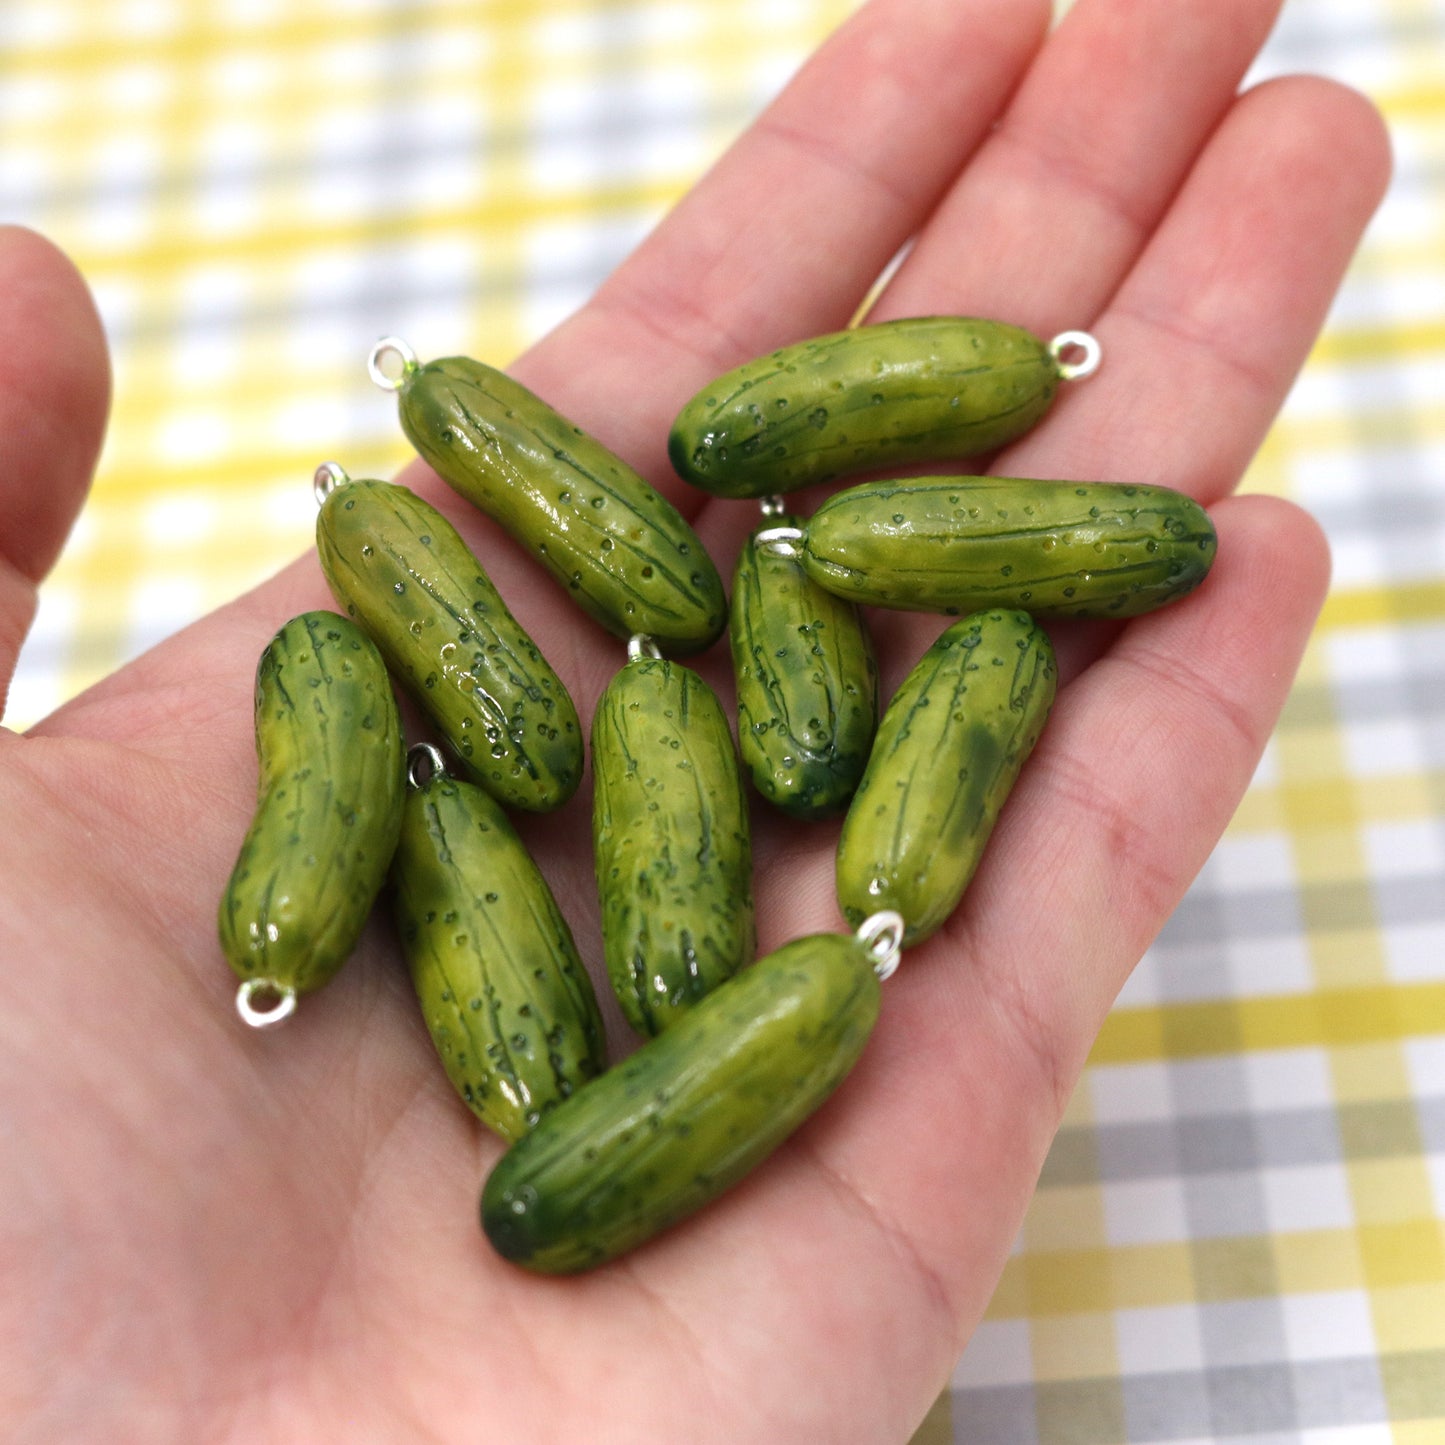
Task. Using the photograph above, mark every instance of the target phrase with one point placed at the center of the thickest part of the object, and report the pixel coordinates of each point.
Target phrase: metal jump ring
(1083, 341)
(417, 755)
(390, 346)
(881, 934)
(265, 1018)
(780, 541)
(773, 506)
(328, 476)
(641, 645)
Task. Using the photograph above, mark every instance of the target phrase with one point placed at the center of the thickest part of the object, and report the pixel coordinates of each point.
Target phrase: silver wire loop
(265, 1018)
(376, 368)
(641, 645)
(881, 934)
(1082, 341)
(773, 506)
(424, 762)
(780, 541)
(329, 476)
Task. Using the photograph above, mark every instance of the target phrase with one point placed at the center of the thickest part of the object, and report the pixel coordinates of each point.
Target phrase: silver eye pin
(881, 934)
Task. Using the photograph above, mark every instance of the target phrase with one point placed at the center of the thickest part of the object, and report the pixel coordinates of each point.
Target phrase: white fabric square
(1405, 849)
(1145, 1211)
(1425, 1060)
(1415, 952)
(1130, 1093)
(1242, 861)
(1302, 1197)
(1329, 1325)
(188, 435)
(179, 519)
(1384, 747)
(1259, 967)
(1283, 1079)
(1165, 1338)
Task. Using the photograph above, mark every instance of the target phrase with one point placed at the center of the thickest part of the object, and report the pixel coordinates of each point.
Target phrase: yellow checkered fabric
(1238, 1235)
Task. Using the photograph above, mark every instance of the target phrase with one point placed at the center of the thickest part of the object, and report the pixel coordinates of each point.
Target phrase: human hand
(208, 1233)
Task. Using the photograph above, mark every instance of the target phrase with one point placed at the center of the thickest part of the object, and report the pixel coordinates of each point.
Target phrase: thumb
(54, 395)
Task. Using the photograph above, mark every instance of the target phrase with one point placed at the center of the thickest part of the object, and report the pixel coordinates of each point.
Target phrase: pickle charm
(505, 997)
(621, 550)
(807, 683)
(672, 847)
(871, 397)
(948, 751)
(404, 572)
(693, 1110)
(1054, 549)
(331, 756)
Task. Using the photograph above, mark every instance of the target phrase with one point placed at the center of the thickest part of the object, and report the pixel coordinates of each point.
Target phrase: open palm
(212, 1234)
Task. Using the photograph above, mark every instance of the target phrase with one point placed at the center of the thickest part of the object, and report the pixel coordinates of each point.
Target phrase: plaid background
(1238, 1235)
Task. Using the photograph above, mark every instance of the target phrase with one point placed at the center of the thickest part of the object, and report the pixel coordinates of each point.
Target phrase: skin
(210, 1234)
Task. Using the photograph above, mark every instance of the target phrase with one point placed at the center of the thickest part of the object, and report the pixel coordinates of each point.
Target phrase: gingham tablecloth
(1238, 1235)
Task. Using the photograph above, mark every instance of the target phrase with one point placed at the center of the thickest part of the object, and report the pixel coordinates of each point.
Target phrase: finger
(1204, 337)
(985, 1028)
(788, 231)
(54, 391)
(1064, 195)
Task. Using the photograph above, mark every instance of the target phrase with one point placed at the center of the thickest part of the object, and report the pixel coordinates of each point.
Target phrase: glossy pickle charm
(619, 548)
(874, 396)
(807, 681)
(331, 757)
(1054, 549)
(671, 842)
(693, 1110)
(404, 572)
(948, 752)
(506, 999)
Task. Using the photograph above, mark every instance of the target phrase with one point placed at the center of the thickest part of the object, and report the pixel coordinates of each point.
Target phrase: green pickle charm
(807, 681)
(403, 571)
(876, 396)
(1054, 549)
(331, 757)
(505, 996)
(948, 751)
(672, 847)
(693, 1110)
(619, 548)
